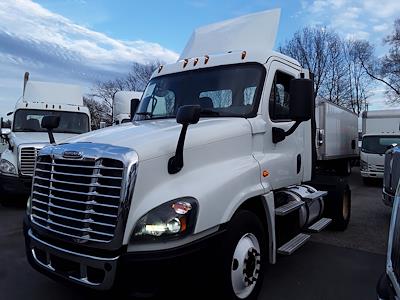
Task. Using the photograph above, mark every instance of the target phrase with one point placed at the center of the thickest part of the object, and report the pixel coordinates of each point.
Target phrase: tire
(244, 258)
(337, 202)
(344, 167)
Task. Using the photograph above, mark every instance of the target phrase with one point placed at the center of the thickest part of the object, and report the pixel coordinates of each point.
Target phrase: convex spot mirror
(301, 99)
(188, 114)
(50, 122)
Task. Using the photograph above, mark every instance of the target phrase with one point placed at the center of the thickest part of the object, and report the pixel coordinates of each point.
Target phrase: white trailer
(210, 183)
(337, 137)
(26, 136)
(122, 106)
(380, 129)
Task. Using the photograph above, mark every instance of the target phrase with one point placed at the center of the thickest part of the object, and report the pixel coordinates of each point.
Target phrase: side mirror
(5, 132)
(301, 99)
(187, 114)
(49, 123)
(134, 106)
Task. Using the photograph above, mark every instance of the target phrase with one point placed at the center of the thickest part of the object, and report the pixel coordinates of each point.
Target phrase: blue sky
(82, 41)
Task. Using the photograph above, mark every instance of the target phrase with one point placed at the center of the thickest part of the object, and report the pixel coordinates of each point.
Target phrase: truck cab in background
(380, 129)
(26, 136)
(123, 104)
(388, 287)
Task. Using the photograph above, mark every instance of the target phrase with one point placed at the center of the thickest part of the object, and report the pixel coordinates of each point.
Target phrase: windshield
(378, 144)
(29, 120)
(226, 91)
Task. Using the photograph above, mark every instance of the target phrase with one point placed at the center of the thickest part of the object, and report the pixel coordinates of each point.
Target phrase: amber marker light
(265, 173)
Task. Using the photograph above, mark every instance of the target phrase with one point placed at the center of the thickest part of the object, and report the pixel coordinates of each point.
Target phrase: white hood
(157, 138)
(19, 138)
(255, 32)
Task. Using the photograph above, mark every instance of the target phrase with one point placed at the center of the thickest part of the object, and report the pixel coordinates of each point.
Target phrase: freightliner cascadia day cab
(123, 104)
(380, 129)
(213, 176)
(26, 137)
(337, 137)
(388, 287)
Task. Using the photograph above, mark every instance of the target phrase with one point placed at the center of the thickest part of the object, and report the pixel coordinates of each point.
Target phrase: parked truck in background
(26, 137)
(337, 137)
(388, 287)
(122, 106)
(391, 174)
(213, 176)
(380, 129)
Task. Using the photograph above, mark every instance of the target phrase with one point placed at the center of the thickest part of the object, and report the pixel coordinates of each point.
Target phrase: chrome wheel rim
(246, 264)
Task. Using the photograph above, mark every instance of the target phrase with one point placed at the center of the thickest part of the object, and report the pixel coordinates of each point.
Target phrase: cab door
(283, 161)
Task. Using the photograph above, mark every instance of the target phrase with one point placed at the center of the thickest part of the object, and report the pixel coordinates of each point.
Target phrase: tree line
(346, 70)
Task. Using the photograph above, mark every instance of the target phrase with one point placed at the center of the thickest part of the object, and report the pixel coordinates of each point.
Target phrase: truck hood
(19, 138)
(154, 138)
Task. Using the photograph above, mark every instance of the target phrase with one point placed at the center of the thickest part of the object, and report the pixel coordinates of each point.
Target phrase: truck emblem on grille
(72, 154)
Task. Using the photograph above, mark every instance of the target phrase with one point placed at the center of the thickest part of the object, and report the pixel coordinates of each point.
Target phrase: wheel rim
(345, 209)
(246, 264)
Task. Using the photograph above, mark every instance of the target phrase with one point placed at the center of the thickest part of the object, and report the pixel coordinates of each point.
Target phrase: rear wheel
(337, 202)
(245, 257)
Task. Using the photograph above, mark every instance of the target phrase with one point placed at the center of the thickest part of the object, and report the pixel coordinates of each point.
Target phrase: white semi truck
(212, 177)
(26, 137)
(123, 104)
(337, 137)
(380, 129)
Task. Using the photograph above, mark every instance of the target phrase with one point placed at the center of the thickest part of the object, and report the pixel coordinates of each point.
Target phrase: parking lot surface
(334, 265)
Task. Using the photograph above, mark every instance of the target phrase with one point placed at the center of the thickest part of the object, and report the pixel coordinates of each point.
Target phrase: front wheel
(245, 257)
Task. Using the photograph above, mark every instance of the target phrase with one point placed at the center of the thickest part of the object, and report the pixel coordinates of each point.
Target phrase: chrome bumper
(90, 271)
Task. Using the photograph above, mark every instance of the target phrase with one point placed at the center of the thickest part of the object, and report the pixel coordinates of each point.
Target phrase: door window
(279, 97)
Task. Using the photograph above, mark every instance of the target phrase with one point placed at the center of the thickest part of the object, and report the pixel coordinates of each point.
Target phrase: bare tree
(338, 73)
(103, 92)
(99, 111)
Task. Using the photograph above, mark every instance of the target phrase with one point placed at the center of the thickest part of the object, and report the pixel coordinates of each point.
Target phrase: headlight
(363, 165)
(170, 220)
(7, 168)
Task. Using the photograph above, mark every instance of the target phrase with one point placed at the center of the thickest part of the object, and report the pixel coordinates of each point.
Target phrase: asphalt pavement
(334, 265)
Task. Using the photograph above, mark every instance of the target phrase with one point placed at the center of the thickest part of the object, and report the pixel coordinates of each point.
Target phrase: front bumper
(372, 174)
(16, 185)
(142, 272)
(387, 198)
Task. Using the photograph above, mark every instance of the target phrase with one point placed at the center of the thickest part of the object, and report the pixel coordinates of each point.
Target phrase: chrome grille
(395, 255)
(27, 157)
(78, 198)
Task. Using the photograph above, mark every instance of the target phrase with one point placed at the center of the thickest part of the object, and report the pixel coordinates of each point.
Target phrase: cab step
(288, 208)
(294, 244)
(315, 195)
(321, 224)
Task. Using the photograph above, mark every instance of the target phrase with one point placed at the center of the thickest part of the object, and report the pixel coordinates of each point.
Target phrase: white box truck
(213, 176)
(26, 137)
(123, 104)
(380, 129)
(337, 137)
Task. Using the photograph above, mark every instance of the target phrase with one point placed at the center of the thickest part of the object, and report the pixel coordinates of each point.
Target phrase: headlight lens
(363, 165)
(7, 168)
(170, 220)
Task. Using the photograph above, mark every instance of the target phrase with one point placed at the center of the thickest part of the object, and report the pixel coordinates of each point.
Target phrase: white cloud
(53, 47)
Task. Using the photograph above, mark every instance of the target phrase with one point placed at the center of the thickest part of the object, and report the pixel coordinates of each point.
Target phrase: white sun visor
(255, 32)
